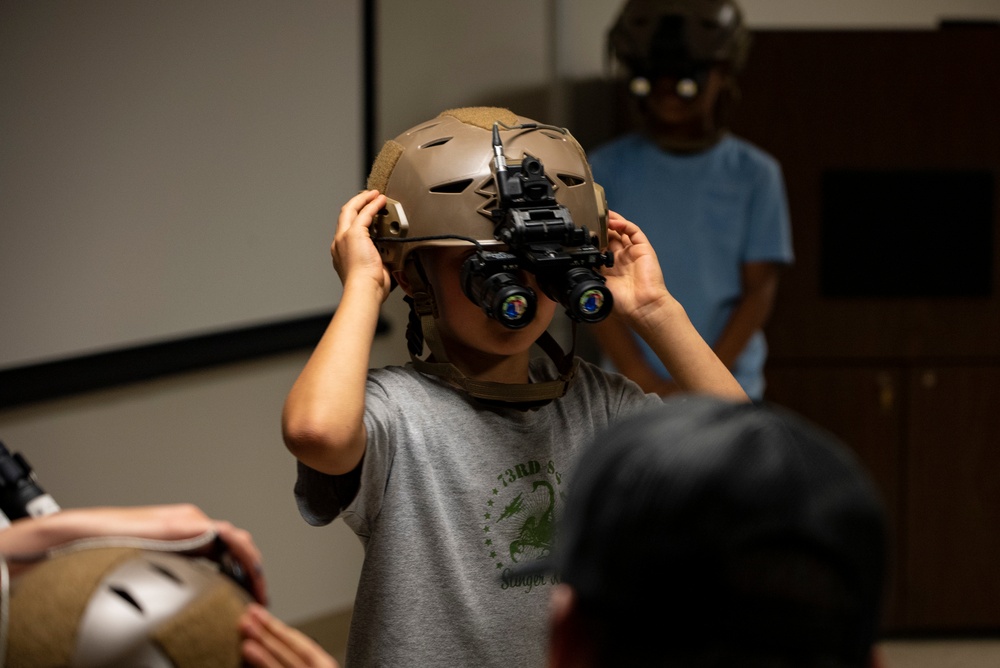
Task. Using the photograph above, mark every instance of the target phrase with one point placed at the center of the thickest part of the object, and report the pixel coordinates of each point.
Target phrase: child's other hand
(635, 280)
(354, 253)
(270, 643)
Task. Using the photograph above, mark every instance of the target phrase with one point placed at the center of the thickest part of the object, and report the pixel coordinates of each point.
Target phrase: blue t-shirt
(706, 215)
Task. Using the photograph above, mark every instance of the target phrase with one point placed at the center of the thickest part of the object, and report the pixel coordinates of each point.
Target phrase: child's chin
(530, 331)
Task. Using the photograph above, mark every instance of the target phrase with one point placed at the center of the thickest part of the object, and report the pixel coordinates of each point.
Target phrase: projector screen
(171, 169)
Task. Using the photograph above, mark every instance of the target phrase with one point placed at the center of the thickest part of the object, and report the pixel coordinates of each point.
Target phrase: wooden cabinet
(951, 496)
(930, 437)
(861, 406)
(911, 380)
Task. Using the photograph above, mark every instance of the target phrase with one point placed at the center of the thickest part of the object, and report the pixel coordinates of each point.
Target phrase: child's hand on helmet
(354, 254)
(635, 280)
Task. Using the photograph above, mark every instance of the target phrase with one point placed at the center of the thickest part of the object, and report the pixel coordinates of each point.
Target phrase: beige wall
(169, 168)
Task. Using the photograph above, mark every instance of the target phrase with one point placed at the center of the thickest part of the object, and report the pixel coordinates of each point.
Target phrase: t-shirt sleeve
(321, 497)
(770, 235)
(357, 495)
(623, 397)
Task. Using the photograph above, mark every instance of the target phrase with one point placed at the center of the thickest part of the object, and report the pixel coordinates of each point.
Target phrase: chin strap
(423, 312)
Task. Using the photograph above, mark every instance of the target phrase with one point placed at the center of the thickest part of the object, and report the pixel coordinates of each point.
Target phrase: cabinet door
(862, 407)
(951, 571)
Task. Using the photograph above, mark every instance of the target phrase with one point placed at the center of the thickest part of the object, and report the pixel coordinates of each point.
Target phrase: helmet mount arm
(543, 239)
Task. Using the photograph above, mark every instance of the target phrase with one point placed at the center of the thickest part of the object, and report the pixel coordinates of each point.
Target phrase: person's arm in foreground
(270, 643)
(322, 419)
(32, 535)
(644, 304)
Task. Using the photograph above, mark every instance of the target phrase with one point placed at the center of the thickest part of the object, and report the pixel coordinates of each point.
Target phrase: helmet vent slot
(127, 597)
(553, 135)
(572, 180)
(166, 573)
(436, 142)
(452, 187)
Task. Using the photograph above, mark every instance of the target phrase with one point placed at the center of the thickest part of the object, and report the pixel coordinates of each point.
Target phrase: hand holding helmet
(352, 250)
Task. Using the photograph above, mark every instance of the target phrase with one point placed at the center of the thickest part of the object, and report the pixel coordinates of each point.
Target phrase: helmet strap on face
(423, 314)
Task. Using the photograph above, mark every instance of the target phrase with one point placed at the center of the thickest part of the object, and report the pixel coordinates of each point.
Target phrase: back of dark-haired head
(709, 531)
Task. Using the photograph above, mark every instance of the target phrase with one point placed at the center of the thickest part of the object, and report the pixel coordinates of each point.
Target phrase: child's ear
(400, 277)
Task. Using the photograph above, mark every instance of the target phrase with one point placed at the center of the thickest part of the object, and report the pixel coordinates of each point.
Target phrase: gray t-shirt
(453, 493)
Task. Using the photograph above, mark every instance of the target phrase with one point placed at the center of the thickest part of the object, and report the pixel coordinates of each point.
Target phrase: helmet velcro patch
(49, 601)
(384, 163)
(206, 632)
(483, 117)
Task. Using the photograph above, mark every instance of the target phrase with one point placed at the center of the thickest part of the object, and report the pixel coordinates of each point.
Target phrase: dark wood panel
(864, 408)
(874, 100)
(951, 499)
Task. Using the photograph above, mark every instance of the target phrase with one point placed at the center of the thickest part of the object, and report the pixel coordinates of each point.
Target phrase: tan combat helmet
(440, 181)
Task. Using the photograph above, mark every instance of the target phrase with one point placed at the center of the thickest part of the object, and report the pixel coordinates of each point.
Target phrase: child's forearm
(322, 419)
(689, 359)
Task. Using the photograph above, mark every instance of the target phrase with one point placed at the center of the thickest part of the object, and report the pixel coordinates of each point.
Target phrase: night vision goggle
(541, 238)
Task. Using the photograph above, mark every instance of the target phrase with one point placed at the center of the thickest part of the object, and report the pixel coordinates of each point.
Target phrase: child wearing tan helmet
(450, 468)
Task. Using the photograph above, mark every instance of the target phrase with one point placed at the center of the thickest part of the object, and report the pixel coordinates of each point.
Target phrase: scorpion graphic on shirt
(534, 538)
